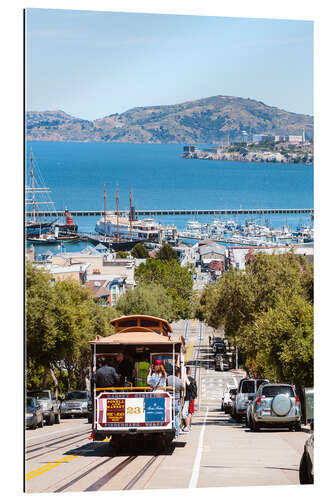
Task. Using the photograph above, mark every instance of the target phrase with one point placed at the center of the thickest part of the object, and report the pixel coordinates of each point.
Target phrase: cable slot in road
(109, 475)
(141, 472)
(84, 474)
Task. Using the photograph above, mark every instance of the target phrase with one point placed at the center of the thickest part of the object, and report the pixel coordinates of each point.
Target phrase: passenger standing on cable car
(105, 376)
(179, 387)
(157, 378)
(141, 369)
(124, 368)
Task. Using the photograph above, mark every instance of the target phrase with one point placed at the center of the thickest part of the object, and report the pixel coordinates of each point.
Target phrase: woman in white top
(157, 378)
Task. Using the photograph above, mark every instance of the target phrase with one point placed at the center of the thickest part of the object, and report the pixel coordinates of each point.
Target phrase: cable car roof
(141, 322)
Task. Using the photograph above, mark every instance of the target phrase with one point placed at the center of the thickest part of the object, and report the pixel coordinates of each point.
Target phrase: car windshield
(30, 403)
(233, 391)
(39, 394)
(271, 391)
(77, 395)
(248, 386)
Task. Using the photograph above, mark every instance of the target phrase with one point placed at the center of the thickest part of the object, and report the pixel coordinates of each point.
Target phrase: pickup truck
(49, 405)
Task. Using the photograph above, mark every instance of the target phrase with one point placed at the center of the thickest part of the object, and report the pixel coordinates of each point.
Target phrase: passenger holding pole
(157, 377)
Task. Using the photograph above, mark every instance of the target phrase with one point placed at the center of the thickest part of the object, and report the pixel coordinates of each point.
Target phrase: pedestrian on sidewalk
(179, 387)
(190, 395)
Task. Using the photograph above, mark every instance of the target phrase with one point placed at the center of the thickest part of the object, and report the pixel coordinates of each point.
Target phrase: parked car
(49, 403)
(246, 392)
(75, 404)
(226, 402)
(275, 405)
(306, 473)
(33, 414)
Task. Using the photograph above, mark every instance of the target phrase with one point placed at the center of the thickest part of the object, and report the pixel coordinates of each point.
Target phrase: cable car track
(103, 480)
(56, 441)
(141, 472)
(97, 485)
(54, 449)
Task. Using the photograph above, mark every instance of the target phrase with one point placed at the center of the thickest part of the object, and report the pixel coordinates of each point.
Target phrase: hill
(208, 120)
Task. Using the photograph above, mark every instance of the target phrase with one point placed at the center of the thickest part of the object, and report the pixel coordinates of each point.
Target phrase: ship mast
(104, 212)
(130, 214)
(32, 187)
(117, 215)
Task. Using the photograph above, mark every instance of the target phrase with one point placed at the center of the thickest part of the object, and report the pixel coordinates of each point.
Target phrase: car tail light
(258, 401)
(297, 401)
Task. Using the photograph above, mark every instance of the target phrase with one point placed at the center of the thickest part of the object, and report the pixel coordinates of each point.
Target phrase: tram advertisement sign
(155, 409)
(115, 410)
(128, 410)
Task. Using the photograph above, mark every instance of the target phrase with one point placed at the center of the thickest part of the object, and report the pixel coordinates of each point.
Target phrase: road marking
(196, 467)
(235, 380)
(49, 466)
(189, 351)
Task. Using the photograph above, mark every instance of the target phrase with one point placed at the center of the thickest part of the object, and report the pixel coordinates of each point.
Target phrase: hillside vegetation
(207, 120)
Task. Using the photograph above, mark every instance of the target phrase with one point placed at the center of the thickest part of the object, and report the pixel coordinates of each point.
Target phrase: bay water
(160, 179)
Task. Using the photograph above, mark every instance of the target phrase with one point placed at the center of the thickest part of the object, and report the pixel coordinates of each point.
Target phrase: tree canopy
(60, 320)
(139, 251)
(268, 312)
(175, 279)
(146, 299)
(166, 252)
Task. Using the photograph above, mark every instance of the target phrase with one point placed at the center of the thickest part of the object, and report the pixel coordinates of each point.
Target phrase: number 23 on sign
(133, 409)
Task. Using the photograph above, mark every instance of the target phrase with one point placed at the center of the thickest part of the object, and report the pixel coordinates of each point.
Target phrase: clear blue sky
(91, 64)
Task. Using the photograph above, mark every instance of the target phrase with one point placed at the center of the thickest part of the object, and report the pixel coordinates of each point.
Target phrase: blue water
(161, 179)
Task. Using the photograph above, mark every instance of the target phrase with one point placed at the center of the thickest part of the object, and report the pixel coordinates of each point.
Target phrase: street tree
(140, 251)
(166, 252)
(175, 279)
(149, 299)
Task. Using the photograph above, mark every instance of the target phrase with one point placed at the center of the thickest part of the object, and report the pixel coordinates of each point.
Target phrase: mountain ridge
(207, 120)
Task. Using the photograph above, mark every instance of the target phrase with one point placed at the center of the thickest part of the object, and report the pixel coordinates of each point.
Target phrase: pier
(155, 213)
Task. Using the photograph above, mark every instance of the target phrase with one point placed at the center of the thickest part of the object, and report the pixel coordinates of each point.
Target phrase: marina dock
(155, 213)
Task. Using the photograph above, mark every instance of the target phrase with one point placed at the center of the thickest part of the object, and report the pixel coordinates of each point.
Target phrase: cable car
(132, 411)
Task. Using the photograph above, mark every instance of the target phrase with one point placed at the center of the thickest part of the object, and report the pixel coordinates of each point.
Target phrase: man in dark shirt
(106, 376)
(124, 368)
(176, 382)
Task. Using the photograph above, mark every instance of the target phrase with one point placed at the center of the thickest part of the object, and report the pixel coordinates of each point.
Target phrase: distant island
(264, 148)
(212, 120)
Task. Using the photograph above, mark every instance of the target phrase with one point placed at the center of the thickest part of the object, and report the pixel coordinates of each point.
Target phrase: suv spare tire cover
(281, 405)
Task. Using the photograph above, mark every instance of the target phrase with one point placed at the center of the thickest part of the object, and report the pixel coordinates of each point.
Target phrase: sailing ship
(36, 194)
(121, 232)
(41, 230)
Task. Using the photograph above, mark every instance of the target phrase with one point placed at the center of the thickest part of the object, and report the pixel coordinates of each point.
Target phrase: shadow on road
(124, 449)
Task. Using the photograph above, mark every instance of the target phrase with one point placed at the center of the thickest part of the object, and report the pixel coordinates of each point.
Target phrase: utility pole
(117, 215)
(104, 212)
(130, 217)
(32, 187)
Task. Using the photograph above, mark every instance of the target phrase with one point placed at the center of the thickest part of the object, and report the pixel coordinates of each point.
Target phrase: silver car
(247, 389)
(75, 404)
(275, 405)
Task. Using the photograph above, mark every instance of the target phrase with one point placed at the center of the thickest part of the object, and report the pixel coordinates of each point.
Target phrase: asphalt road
(217, 452)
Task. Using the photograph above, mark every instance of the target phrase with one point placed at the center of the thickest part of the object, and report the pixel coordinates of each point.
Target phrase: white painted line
(196, 467)
(235, 380)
